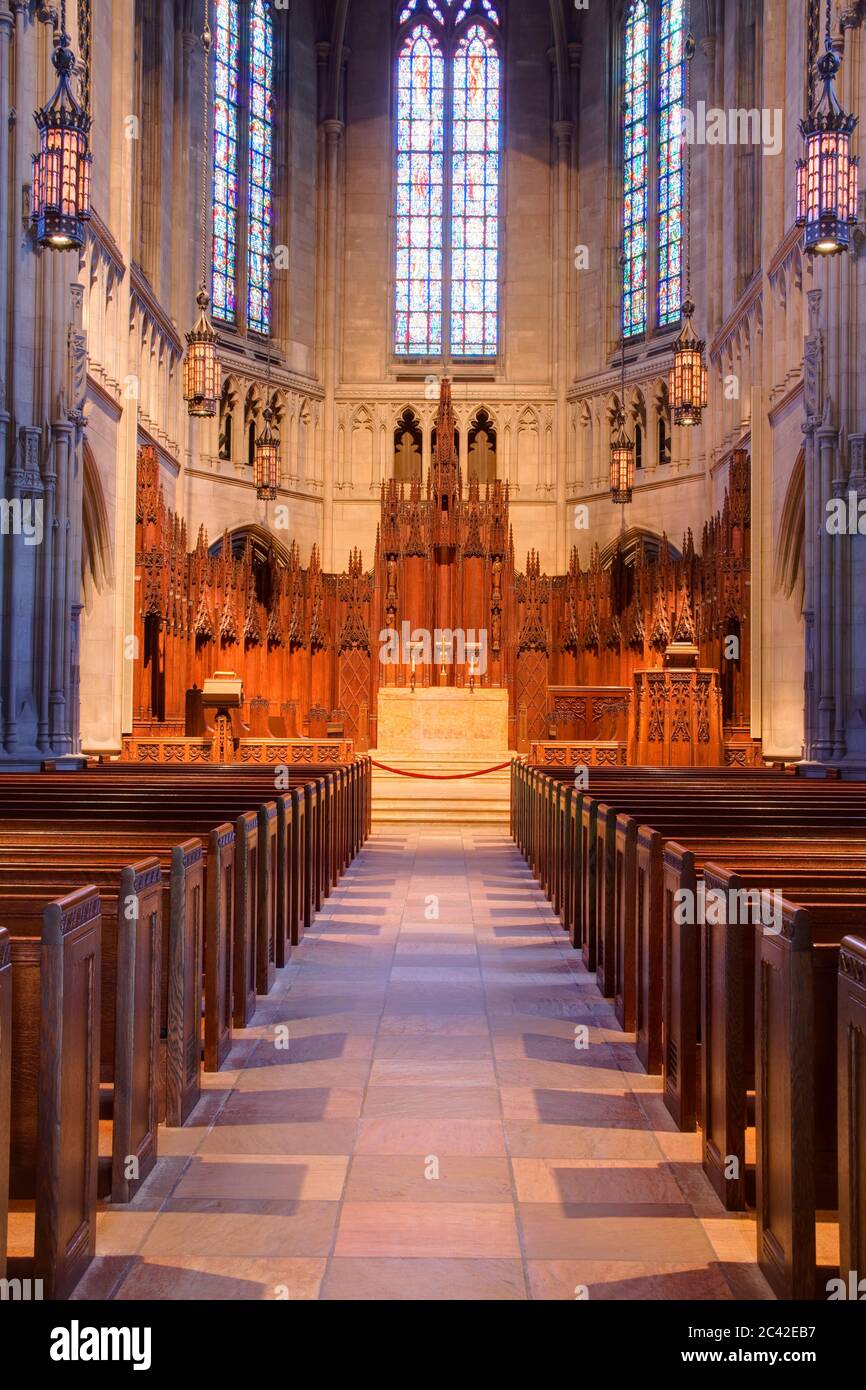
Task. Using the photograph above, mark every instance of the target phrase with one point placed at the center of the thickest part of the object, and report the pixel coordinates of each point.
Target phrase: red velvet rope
(441, 776)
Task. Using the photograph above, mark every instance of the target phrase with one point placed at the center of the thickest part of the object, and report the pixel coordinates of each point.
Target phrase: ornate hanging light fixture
(267, 460)
(688, 383)
(689, 380)
(200, 371)
(621, 464)
(621, 447)
(62, 167)
(828, 175)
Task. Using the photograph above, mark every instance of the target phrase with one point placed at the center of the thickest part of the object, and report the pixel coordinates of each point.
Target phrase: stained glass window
(671, 164)
(654, 80)
(635, 169)
(436, 7)
(260, 143)
(420, 193)
(475, 197)
(243, 126)
(225, 160)
(448, 175)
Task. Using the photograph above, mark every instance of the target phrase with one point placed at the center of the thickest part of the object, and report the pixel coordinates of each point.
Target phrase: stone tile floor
(409, 1118)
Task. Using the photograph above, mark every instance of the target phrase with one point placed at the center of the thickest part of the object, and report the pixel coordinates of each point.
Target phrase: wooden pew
(255, 872)
(851, 1057)
(80, 845)
(329, 796)
(55, 1087)
(796, 991)
(131, 905)
(696, 977)
(180, 1005)
(649, 900)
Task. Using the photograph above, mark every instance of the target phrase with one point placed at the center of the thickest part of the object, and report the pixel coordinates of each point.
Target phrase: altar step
(412, 801)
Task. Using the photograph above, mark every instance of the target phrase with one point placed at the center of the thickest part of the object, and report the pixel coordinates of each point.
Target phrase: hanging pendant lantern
(200, 371)
(689, 379)
(621, 464)
(828, 175)
(62, 168)
(266, 469)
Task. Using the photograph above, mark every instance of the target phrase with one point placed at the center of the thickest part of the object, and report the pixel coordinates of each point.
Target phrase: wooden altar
(443, 606)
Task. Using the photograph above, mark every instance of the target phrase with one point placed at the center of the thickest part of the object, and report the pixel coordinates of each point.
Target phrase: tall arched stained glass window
(448, 145)
(260, 156)
(653, 81)
(475, 197)
(671, 103)
(635, 168)
(225, 160)
(420, 193)
(243, 164)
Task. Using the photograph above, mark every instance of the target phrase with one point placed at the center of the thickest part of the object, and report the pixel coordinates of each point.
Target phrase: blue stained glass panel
(260, 166)
(672, 93)
(225, 160)
(420, 194)
(475, 196)
(635, 169)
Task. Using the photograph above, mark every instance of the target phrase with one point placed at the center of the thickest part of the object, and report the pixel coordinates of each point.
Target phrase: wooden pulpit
(676, 718)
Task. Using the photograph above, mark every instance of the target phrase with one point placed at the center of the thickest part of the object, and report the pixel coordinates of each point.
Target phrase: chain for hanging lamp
(200, 368)
(688, 383)
(828, 174)
(62, 166)
(621, 447)
(266, 454)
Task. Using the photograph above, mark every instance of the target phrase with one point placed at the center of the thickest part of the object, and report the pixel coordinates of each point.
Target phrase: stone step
(468, 801)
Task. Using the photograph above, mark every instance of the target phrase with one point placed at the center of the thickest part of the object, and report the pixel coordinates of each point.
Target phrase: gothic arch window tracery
(408, 447)
(242, 172)
(448, 135)
(653, 79)
(482, 447)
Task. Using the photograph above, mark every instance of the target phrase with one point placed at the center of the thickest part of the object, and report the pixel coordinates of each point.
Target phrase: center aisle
(410, 1118)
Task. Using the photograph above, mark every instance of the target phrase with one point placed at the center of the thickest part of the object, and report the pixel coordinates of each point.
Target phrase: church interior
(432, 710)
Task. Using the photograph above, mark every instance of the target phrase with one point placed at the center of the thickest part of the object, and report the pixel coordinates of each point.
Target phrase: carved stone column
(333, 131)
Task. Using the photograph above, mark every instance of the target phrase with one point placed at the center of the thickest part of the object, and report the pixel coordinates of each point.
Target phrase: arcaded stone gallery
(432, 652)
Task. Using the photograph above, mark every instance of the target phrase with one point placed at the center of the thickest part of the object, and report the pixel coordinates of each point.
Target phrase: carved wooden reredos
(308, 646)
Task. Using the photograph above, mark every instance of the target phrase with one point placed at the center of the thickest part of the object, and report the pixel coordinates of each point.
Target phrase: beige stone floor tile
(550, 1106)
(425, 1280)
(432, 1047)
(311, 1137)
(314, 1177)
(527, 1140)
(617, 1280)
(206, 1279)
(288, 1072)
(430, 1136)
(616, 1181)
(431, 1024)
(428, 1178)
(452, 1072)
(228, 1227)
(429, 1230)
(438, 1101)
(613, 1231)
